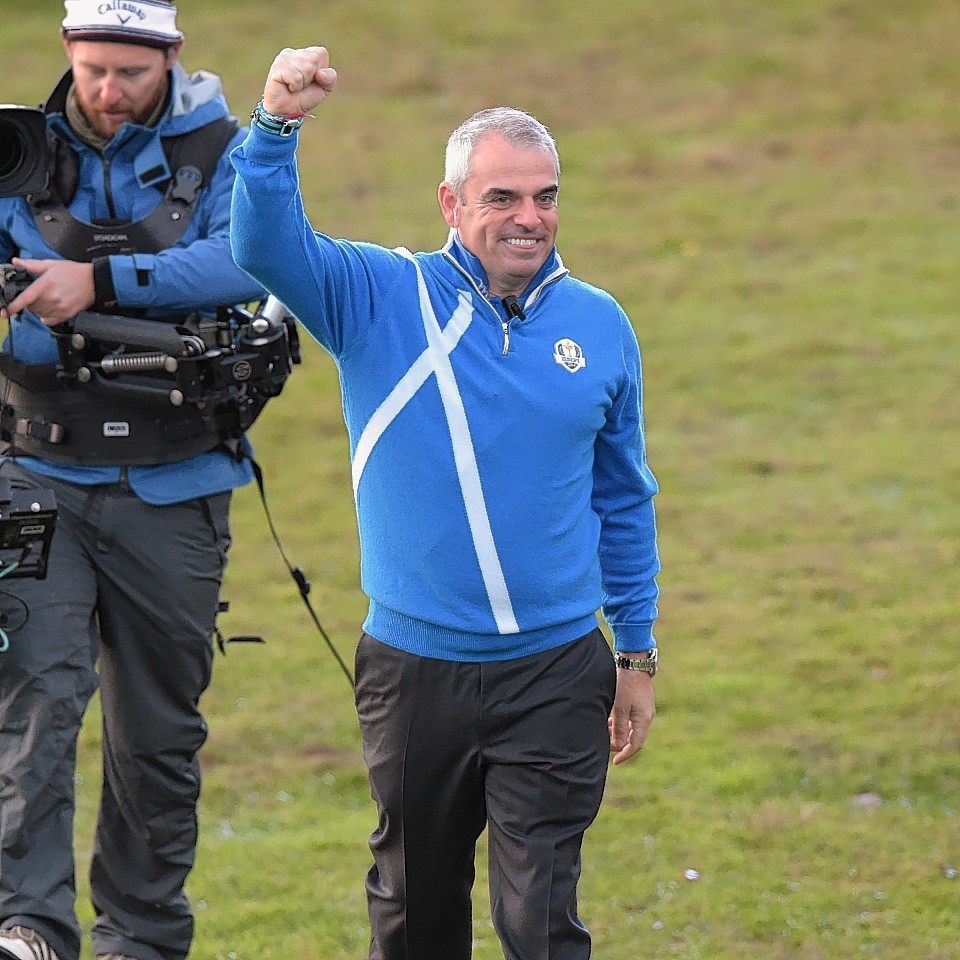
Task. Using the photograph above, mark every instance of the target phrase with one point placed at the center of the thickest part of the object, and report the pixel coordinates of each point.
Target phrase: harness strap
(192, 159)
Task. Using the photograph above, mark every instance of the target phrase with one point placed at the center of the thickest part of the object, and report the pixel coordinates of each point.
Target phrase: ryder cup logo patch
(569, 354)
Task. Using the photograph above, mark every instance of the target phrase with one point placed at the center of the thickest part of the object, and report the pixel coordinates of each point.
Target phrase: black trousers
(520, 747)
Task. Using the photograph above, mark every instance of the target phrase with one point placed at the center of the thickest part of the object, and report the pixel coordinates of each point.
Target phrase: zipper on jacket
(514, 312)
(108, 192)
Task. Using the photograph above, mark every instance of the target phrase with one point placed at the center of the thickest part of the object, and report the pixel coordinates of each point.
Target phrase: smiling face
(507, 214)
(118, 83)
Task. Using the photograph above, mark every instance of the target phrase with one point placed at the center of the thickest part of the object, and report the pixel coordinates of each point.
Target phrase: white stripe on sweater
(436, 359)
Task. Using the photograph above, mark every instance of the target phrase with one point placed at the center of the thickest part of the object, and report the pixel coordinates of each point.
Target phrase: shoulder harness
(192, 159)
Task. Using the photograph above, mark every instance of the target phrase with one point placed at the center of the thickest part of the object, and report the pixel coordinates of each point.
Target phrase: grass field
(771, 189)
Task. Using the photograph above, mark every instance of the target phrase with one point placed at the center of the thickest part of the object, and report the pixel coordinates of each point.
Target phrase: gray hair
(516, 127)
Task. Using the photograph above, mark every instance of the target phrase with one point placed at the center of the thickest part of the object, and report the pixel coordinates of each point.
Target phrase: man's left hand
(633, 712)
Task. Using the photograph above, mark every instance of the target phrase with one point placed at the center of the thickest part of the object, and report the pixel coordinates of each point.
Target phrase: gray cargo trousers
(135, 588)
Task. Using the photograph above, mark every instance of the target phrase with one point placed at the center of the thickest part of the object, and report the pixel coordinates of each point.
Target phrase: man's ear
(449, 204)
(173, 52)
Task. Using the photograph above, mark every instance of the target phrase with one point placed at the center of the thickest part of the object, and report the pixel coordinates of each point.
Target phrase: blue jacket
(196, 274)
(499, 467)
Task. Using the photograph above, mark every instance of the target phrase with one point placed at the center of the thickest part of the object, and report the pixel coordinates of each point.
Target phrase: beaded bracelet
(277, 123)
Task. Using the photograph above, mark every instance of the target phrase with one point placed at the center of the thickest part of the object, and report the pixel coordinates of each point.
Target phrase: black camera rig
(218, 371)
(222, 369)
(205, 361)
(200, 360)
(234, 362)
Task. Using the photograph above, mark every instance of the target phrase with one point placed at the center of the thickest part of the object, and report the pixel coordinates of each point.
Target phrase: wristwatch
(647, 665)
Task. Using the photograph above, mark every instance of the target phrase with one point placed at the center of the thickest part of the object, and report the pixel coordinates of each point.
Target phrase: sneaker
(22, 943)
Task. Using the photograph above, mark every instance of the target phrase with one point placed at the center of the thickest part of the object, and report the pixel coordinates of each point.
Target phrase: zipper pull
(506, 336)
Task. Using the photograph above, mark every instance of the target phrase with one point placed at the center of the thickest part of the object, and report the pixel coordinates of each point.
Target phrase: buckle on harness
(185, 185)
(38, 430)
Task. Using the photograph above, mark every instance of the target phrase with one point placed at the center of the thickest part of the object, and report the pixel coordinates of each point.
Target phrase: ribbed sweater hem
(444, 643)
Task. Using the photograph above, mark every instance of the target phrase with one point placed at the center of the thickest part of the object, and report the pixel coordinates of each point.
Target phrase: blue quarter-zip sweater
(499, 467)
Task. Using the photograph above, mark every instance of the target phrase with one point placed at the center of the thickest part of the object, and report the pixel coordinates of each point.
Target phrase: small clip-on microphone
(512, 306)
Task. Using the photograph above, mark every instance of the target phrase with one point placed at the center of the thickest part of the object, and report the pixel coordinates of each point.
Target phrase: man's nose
(528, 215)
(111, 91)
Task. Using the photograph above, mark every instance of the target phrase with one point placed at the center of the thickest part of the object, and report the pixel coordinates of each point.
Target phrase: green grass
(771, 189)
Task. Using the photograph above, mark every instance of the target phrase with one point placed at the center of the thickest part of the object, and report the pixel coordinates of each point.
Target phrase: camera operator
(140, 548)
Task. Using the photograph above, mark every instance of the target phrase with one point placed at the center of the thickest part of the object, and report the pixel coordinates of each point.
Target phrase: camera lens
(13, 149)
(23, 151)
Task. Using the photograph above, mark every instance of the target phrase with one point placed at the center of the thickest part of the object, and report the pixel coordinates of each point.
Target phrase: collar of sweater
(472, 266)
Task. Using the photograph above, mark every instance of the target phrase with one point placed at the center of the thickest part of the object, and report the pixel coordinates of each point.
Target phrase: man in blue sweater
(493, 404)
(132, 224)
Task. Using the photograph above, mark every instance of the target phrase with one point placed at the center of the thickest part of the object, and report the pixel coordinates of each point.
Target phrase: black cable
(9, 623)
(299, 577)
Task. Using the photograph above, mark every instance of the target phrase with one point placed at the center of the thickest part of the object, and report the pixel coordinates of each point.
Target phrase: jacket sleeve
(201, 273)
(8, 247)
(623, 491)
(335, 288)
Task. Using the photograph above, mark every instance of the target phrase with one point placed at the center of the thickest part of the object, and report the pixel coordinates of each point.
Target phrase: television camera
(234, 361)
